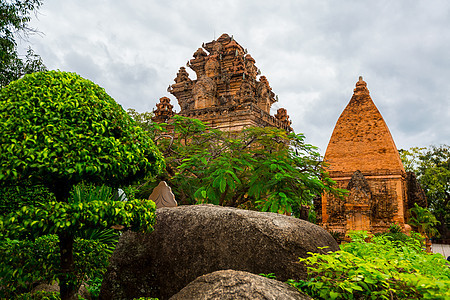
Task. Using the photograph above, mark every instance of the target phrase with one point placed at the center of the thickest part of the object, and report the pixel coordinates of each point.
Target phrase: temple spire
(361, 87)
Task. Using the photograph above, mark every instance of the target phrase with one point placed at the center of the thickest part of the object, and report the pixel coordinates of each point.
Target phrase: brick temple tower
(226, 94)
(363, 159)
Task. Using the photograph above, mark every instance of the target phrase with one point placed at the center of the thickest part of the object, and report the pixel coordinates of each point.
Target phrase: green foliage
(93, 208)
(14, 17)
(107, 236)
(270, 275)
(259, 168)
(88, 214)
(59, 129)
(338, 236)
(25, 262)
(395, 228)
(432, 168)
(59, 126)
(379, 269)
(143, 119)
(39, 296)
(13, 197)
(423, 219)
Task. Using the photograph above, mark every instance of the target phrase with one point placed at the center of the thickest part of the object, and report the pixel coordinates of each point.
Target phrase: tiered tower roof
(361, 139)
(227, 92)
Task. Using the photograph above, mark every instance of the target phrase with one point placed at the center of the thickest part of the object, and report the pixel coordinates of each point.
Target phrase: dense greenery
(423, 220)
(59, 129)
(259, 168)
(12, 197)
(84, 209)
(29, 261)
(14, 18)
(24, 263)
(377, 267)
(432, 167)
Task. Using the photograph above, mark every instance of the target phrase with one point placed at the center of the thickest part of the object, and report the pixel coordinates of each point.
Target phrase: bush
(380, 269)
(24, 263)
(13, 197)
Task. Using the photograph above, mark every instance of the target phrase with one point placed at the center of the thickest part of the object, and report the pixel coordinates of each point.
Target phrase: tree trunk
(67, 287)
(67, 279)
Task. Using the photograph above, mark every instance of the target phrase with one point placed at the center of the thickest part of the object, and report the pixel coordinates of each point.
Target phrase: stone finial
(182, 75)
(361, 87)
(163, 110)
(283, 116)
(264, 80)
(199, 53)
(250, 58)
(233, 47)
(224, 37)
(162, 196)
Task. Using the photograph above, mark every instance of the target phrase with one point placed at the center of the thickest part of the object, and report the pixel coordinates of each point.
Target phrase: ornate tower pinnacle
(227, 92)
(163, 110)
(361, 87)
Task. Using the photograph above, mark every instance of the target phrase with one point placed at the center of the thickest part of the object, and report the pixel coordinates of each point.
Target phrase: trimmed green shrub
(59, 129)
(24, 263)
(13, 197)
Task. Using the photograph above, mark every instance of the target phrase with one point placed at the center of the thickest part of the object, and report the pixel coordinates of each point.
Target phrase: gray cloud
(312, 53)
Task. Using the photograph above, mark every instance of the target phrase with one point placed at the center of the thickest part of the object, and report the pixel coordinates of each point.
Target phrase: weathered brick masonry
(363, 159)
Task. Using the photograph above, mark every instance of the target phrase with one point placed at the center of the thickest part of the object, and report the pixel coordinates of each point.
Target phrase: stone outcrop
(227, 93)
(363, 158)
(44, 287)
(237, 285)
(190, 241)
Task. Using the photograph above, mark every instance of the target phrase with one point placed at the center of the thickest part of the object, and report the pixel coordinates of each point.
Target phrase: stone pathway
(441, 248)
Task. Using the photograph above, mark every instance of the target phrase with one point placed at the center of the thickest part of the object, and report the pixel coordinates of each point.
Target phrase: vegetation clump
(58, 130)
(380, 269)
(265, 169)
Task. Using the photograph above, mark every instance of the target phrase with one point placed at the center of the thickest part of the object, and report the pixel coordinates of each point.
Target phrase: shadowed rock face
(237, 285)
(190, 241)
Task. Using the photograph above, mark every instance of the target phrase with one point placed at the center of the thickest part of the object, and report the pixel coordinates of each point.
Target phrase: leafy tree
(59, 129)
(432, 167)
(143, 119)
(424, 220)
(259, 168)
(14, 18)
(26, 262)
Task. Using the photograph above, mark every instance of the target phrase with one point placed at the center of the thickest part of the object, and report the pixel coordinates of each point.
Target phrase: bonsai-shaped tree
(59, 129)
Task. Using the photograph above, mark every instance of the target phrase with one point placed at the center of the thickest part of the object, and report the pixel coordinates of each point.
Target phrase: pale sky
(312, 53)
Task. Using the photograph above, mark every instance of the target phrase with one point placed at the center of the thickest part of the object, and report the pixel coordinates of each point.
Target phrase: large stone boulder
(237, 285)
(190, 241)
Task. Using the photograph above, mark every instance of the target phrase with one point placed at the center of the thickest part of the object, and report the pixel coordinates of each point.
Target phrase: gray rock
(190, 241)
(237, 285)
(44, 287)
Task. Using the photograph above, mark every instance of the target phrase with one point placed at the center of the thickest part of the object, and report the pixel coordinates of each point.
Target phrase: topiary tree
(60, 129)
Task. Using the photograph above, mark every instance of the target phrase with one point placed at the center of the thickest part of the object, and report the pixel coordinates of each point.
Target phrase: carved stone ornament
(162, 196)
(226, 93)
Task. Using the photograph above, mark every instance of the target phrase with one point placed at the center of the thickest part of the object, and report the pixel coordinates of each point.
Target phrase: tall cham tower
(227, 93)
(363, 159)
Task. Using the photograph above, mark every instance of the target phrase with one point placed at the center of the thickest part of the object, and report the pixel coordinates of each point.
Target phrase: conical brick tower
(363, 159)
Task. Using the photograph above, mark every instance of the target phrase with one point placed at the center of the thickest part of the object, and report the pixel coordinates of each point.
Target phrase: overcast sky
(312, 53)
